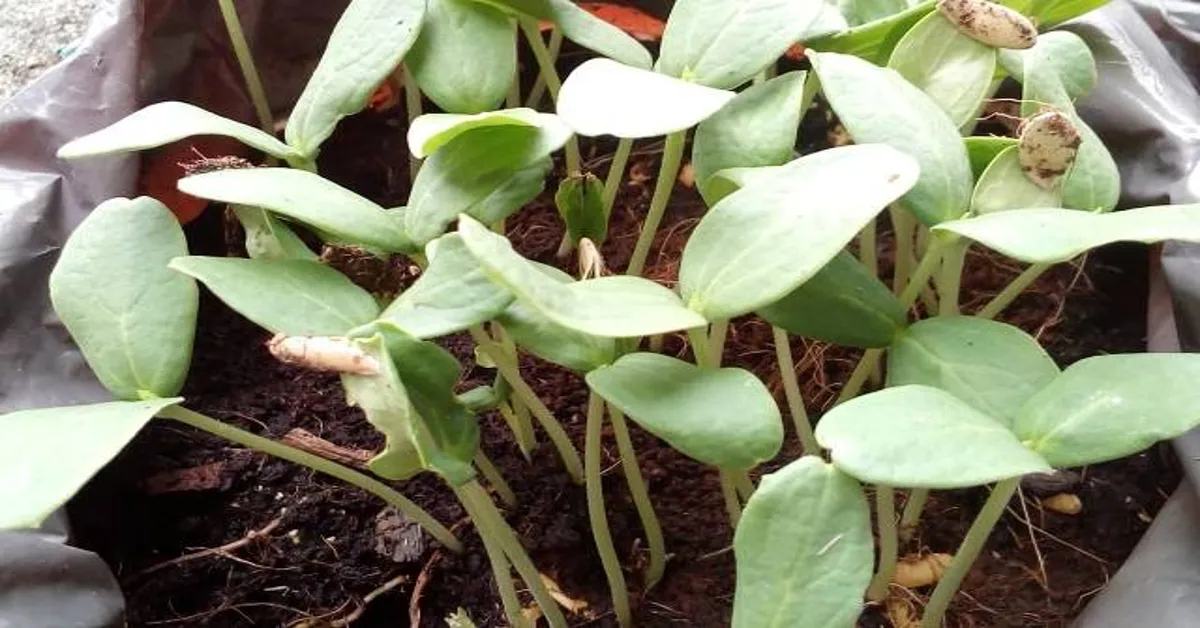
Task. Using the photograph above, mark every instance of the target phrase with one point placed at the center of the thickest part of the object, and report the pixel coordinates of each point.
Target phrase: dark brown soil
(319, 562)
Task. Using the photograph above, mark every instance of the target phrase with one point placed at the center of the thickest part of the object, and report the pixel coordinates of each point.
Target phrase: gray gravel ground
(32, 34)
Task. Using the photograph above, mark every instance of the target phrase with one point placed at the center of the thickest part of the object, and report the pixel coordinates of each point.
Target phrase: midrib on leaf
(947, 367)
(1079, 415)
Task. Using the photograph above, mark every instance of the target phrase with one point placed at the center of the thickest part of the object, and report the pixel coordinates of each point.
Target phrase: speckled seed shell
(1049, 144)
(338, 355)
(990, 23)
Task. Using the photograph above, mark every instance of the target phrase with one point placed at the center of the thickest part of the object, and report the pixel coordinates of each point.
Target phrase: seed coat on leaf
(1048, 146)
(990, 23)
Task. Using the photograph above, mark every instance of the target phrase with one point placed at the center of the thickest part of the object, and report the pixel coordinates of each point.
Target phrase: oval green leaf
(1004, 186)
(306, 197)
(804, 549)
(386, 404)
(910, 122)
(366, 45)
(722, 417)
(1112, 406)
(133, 318)
(844, 303)
(874, 40)
(291, 297)
(1049, 235)
(1069, 55)
(954, 70)
(757, 128)
(859, 12)
(554, 343)
(992, 366)
(432, 131)
(580, 203)
(466, 56)
(583, 28)
(981, 150)
(922, 437)
(762, 242)
(47, 455)
(268, 237)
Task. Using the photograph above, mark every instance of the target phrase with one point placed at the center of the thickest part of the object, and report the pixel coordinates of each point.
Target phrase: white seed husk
(990, 23)
(591, 262)
(339, 355)
(1048, 147)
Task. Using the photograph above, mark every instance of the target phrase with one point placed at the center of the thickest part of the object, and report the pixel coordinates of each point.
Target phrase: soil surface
(329, 554)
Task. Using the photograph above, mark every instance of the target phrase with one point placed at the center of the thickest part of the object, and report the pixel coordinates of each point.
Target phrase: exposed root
(224, 550)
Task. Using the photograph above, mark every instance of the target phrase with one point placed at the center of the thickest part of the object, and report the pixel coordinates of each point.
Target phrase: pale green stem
(616, 173)
(489, 522)
(641, 497)
(522, 391)
(656, 343)
(967, 552)
(513, 99)
(791, 390)
(493, 476)
(539, 84)
(885, 516)
(913, 507)
(596, 512)
(950, 283)
(716, 344)
(667, 171)
(904, 227)
(743, 484)
(245, 59)
(698, 337)
(733, 508)
(519, 422)
(866, 248)
(546, 67)
(862, 371)
(927, 296)
(412, 102)
(1012, 291)
(502, 573)
(316, 463)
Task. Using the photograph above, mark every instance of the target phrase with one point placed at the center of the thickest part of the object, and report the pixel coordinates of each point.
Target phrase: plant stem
(700, 346)
(903, 226)
(641, 497)
(667, 171)
(866, 365)
(732, 507)
(912, 512)
(596, 511)
(489, 522)
(866, 248)
(245, 59)
(1012, 291)
(316, 463)
(412, 102)
(502, 573)
(616, 173)
(949, 285)
(539, 84)
(493, 476)
(518, 420)
(885, 516)
(546, 67)
(743, 484)
(716, 343)
(968, 552)
(522, 391)
(513, 99)
(791, 390)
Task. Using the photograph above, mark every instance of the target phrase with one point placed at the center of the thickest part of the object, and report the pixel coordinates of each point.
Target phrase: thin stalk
(641, 497)
(967, 552)
(502, 573)
(862, 371)
(1012, 291)
(927, 296)
(791, 390)
(732, 506)
(596, 512)
(412, 102)
(866, 248)
(950, 282)
(245, 59)
(885, 516)
(539, 84)
(743, 484)
(495, 479)
(716, 343)
(522, 391)
(699, 340)
(656, 343)
(667, 171)
(513, 99)
(489, 522)
(545, 62)
(519, 422)
(904, 227)
(316, 463)
(616, 173)
(913, 507)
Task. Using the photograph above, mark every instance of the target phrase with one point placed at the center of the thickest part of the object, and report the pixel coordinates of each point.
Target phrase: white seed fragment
(1063, 503)
(339, 355)
(1048, 147)
(591, 262)
(990, 23)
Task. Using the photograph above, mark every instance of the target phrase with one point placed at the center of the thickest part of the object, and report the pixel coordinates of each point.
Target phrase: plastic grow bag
(140, 52)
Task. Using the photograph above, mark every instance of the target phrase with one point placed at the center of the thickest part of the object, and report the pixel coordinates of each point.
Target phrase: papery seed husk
(921, 571)
(1048, 147)
(339, 355)
(990, 23)
(591, 262)
(1064, 503)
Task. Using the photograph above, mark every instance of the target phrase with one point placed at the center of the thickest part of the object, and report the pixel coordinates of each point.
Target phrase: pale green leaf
(291, 297)
(580, 203)
(306, 197)
(922, 437)
(992, 366)
(804, 549)
(844, 303)
(757, 128)
(554, 343)
(465, 58)
(1112, 406)
(722, 417)
(954, 70)
(268, 237)
(723, 44)
(366, 45)
(583, 28)
(875, 40)
(1051, 13)
(609, 306)
(1049, 236)
(1004, 186)
(166, 122)
(730, 180)
(386, 404)
(859, 12)
(1066, 53)
(432, 131)
(765, 240)
(910, 122)
(983, 149)
(133, 318)
(47, 455)
(602, 97)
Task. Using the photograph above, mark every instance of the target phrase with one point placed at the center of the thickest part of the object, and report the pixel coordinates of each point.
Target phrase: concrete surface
(32, 35)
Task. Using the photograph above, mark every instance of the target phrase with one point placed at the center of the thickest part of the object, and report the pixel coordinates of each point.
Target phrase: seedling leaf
(1066, 53)
(268, 237)
(465, 57)
(859, 12)
(983, 150)
(1003, 186)
(583, 28)
(955, 71)
(432, 131)
(385, 401)
(580, 203)
(873, 41)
